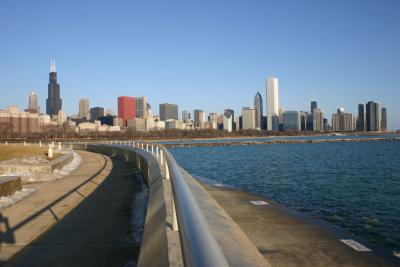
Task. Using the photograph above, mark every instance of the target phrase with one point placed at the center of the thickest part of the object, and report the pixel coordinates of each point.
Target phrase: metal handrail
(199, 247)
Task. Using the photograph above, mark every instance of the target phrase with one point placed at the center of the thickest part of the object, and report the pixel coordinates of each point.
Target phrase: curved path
(50, 228)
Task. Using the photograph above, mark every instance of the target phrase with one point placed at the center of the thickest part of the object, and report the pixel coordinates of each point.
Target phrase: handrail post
(166, 170)
(142, 146)
(157, 152)
(152, 149)
(175, 227)
(147, 147)
(161, 158)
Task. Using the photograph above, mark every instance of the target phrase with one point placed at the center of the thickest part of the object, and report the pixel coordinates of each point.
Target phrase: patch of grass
(18, 151)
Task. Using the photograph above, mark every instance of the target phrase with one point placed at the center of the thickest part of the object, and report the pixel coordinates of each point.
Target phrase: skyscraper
(141, 107)
(248, 118)
(342, 121)
(53, 101)
(372, 116)
(84, 108)
(126, 108)
(272, 104)
(314, 105)
(361, 118)
(258, 107)
(383, 119)
(232, 112)
(33, 106)
(96, 113)
(228, 120)
(168, 112)
(291, 121)
(199, 118)
(186, 116)
(318, 120)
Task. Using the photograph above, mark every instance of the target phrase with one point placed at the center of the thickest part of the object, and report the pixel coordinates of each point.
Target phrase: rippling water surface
(353, 185)
(277, 138)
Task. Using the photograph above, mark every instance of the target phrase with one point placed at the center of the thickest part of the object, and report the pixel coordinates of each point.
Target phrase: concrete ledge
(46, 168)
(9, 185)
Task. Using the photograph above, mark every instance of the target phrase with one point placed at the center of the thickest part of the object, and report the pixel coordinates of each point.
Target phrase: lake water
(352, 185)
(277, 138)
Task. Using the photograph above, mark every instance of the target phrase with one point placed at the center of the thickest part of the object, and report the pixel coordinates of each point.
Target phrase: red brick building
(126, 108)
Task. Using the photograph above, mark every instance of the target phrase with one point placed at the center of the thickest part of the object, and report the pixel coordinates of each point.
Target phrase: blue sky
(203, 54)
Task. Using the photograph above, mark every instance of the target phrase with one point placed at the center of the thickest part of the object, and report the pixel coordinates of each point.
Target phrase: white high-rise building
(228, 117)
(61, 117)
(84, 108)
(248, 118)
(33, 106)
(272, 104)
(199, 117)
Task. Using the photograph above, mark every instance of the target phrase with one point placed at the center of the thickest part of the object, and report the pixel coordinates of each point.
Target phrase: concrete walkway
(285, 239)
(50, 229)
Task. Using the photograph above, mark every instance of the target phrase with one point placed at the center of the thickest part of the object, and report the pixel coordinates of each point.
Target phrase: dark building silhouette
(372, 116)
(96, 113)
(53, 102)
(361, 118)
(383, 119)
(313, 106)
(107, 120)
(258, 106)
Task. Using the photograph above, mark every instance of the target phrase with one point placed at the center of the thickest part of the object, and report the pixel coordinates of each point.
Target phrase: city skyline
(338, 74)
(291, 120)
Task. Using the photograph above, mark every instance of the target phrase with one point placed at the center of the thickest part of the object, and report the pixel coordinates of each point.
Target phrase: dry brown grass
(17, 151)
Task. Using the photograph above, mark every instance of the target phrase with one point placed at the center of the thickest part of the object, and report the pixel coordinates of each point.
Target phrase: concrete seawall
(38, 169)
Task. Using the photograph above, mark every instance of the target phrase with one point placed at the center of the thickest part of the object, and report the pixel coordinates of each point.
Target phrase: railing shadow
(86, 230)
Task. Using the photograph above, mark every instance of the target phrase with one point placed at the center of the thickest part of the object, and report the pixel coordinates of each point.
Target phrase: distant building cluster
(135, 114)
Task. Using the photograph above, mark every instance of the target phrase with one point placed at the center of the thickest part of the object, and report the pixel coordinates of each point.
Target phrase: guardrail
(199, 247)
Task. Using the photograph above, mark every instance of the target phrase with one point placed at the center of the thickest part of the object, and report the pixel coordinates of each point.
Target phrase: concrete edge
(238, 249)
(43, 168)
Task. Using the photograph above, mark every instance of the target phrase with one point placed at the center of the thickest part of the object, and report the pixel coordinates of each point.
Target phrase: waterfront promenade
(81, 220)
(85, 220)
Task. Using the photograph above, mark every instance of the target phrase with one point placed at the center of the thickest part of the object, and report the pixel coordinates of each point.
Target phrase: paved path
(285, 239)
(50, 229)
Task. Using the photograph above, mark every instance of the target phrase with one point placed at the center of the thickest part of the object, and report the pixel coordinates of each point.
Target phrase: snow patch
(138, 213)
(17, 196)
(58, 174)
(70, 167)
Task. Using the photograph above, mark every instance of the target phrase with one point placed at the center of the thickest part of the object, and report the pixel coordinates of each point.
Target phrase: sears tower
(53, 101)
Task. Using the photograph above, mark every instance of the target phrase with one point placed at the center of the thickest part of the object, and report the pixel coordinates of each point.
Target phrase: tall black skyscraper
(383, 119)
(313, 106)
(361, 118)
(373, 117)
(53, 101)
(258, 106)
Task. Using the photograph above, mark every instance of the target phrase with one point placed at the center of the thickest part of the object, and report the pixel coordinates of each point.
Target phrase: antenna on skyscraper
(52, 66)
